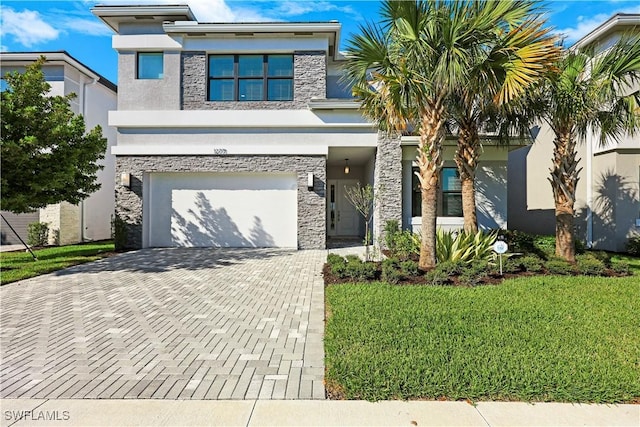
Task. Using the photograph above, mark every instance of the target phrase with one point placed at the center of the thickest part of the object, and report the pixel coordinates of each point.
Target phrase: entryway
(342, 217)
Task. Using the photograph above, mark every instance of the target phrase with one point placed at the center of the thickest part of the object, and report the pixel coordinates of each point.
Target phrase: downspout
(589, 190)
(83, 237)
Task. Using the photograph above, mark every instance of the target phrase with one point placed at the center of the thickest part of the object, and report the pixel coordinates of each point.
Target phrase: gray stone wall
(311, 204)
(309, 81)
(388, 184)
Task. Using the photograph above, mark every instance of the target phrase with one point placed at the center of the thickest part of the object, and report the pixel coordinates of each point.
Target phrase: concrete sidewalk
(85, 412)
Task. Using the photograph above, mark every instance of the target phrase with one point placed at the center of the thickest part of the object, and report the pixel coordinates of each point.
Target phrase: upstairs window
(150, 65)
(250, 78)
(450, 197)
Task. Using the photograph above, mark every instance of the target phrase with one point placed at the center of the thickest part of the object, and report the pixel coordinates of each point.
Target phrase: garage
(221, 210)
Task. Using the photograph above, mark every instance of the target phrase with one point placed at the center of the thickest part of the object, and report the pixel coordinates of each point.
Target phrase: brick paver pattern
(168, 324)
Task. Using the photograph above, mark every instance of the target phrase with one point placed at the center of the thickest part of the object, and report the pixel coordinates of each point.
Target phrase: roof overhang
(329, 30)
(61, 57)
(113, 16)
(617, 21)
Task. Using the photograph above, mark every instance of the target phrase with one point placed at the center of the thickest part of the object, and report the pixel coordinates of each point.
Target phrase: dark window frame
(161, 53)
(237, 78)
(416, 196)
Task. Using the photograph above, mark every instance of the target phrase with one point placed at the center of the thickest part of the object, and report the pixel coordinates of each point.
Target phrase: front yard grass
(20, 265)
(545, 338)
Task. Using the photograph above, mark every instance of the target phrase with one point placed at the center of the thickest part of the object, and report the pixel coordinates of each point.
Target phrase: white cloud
(27, 27)
(91, 27)
(587, 24)
(297, 8)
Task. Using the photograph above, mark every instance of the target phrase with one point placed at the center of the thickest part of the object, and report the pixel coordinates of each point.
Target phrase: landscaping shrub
(391, 229)
(450, 268)
(559, 266)
(475, 273)
(409, 268)
(633, 245)
(402, 244)
(546, 245)
(356, 269)
(390, 271)
(118, 232)
(337, 264)
(511, 265)
(519, 241)
(463, 246)
(436, 277)
(621, 268)
(38, 234)
(531, 263)
(590, 265)
(603, 256)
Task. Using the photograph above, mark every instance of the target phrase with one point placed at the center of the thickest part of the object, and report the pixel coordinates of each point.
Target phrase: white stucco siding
(491, 189)
(99, 207)
(222, 210)
(491, 195)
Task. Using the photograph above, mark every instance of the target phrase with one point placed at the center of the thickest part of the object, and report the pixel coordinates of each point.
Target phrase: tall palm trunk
(466, 159)
(564, 179)
(430, 163)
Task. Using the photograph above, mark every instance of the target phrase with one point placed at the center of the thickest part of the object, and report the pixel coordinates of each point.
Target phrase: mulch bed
(492, 279)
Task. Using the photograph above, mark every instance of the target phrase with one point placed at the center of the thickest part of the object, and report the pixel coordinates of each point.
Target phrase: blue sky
(70, 26)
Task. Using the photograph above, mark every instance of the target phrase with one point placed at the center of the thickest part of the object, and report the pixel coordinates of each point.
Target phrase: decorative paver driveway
(168, 323)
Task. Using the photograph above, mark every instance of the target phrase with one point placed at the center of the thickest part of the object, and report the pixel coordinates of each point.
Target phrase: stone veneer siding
(309, 81)
(388, 184)
(311, 204)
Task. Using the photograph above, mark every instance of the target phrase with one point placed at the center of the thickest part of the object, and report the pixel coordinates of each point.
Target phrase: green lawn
(20, 265)
(544, 338)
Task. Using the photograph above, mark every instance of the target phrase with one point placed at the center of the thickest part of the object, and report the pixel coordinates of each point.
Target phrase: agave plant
(461, 246)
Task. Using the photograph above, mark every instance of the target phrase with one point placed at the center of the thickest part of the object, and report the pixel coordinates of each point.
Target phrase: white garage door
(222, 210)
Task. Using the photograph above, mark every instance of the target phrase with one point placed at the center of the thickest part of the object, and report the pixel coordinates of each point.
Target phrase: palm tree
(587, 92)
(405, 70)
(474, 107)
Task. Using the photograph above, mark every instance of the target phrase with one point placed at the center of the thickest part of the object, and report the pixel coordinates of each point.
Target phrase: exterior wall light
(346, 167)
(310, 181)
(125, 179)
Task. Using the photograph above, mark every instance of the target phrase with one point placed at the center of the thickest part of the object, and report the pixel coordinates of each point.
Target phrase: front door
(342, 217)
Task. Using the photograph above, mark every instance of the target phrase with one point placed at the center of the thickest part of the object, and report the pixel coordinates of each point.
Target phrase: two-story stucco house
(608, 192)
(95, 97)
(241, 134)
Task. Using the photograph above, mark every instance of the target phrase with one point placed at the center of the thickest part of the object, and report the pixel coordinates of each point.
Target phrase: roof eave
(613, 22)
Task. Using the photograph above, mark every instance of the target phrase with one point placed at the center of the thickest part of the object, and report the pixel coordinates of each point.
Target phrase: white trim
(334, 104)
(224, 119)
(146, 42)
(219, 150)
(613, 22)
(257, 45)
(52, 59)
(257, 27)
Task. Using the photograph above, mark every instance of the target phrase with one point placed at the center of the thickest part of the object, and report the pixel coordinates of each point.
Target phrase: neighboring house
(241, 135)
(91, 219)
(608, 192)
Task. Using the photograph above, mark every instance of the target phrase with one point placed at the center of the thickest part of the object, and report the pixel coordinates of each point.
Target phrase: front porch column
(387, 184)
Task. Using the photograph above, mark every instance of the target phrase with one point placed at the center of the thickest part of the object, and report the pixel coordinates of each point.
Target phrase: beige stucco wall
(616, 204)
